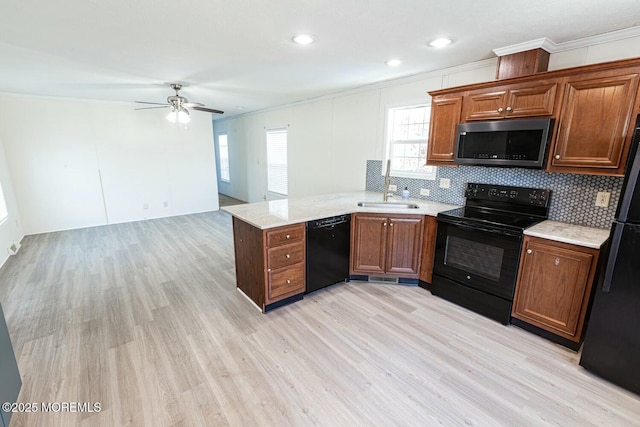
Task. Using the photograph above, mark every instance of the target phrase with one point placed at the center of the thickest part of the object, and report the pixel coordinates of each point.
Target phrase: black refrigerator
(612, 343)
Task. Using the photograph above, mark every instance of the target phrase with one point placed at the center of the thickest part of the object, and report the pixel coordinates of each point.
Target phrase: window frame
(228, 163)
(274, 131)
(431, 172)
(4, 210)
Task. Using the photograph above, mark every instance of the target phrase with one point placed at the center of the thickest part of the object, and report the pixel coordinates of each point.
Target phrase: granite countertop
(580, 235)
(276, 213)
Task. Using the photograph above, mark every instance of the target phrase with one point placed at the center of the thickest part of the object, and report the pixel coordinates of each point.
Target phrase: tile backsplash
(572, 196)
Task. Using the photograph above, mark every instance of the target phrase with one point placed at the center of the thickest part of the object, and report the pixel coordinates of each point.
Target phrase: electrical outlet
(393, 187)
(445, 183)
(602, 199)
(425, 192)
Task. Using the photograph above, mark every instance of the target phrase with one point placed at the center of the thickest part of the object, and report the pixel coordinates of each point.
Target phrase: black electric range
(478, 246)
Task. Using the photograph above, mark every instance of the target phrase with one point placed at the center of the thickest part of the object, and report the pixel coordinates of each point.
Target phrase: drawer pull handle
(556, 262)
(529, 251)
(287, 256)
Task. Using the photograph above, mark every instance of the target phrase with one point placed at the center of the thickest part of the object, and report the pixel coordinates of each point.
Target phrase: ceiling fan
(180, 106)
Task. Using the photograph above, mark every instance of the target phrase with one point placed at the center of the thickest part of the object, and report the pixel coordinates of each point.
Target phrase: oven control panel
(516, 195)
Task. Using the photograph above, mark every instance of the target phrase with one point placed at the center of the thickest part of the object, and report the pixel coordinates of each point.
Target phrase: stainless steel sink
(392, 205)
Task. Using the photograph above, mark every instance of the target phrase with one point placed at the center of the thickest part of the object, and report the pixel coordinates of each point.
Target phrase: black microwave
(507, 143)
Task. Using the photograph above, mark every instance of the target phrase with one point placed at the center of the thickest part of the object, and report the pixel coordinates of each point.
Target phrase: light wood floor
(145, 319)
(225, 200)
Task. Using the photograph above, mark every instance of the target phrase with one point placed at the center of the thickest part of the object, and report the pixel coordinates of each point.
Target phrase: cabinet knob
(451, 154)
(391, 225)
(556, 262)
(287, 256)
(529, 251)
(500, 110)
(384, 224)
(288, 236)
(557, 156)
(288, 282)
(509, 109)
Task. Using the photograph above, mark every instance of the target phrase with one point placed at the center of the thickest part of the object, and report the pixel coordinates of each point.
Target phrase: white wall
(10, 229)
(331, 139)
(79, 164)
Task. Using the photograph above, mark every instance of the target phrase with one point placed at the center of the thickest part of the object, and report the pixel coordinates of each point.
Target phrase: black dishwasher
(328, 244)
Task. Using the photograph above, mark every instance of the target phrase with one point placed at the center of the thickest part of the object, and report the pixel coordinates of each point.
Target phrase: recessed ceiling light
(440, 42)
(393, 62)
(239, 107)
(304, 39)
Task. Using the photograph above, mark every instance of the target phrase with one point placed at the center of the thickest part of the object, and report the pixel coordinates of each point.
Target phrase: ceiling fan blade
(150, 108)
(152, 103)
(192, 104)
(208, 110)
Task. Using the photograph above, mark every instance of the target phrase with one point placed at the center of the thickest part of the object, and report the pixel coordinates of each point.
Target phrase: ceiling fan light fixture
(183, 116)
(172, 116)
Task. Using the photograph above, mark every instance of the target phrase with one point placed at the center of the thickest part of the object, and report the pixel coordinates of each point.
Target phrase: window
(277, 178)
(407, 133)
(3, 206)
(223, 154)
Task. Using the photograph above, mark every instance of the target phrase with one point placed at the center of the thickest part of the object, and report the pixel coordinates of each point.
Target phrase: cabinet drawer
(286, 282)
(281, 256)
(284, 235)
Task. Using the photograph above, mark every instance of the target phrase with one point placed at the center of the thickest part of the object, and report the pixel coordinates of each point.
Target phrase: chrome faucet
(387, 182)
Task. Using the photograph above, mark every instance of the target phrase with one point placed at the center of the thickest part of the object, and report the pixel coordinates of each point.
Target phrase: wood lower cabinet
(554, 286)
(443, 130)
(514, 101)
(428, 248)
(595, 123)
(386, 245)
(270, 264)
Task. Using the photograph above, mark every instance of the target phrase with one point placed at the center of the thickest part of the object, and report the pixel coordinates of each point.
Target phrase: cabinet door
(428, 248)
(594, 123)
(485, 104)
(285, 282)
(531, 101)
(368, 248)
(443, 129)
(554, 286)
(403, 245)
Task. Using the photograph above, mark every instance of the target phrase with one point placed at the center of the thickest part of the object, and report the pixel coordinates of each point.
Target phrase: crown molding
(552, 47)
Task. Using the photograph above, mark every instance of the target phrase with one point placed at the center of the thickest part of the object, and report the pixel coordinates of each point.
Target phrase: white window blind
(3, 206)
(223, 154)
(277, 177)
(407, 133)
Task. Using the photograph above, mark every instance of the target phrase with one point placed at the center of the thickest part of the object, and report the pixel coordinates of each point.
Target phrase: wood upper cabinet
(513, 101)
(594, 130)
(554, 286)
(270, 264)
(443, 129)
(386, 245)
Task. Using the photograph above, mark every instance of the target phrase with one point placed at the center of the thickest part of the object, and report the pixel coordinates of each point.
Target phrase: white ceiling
(233, 53)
